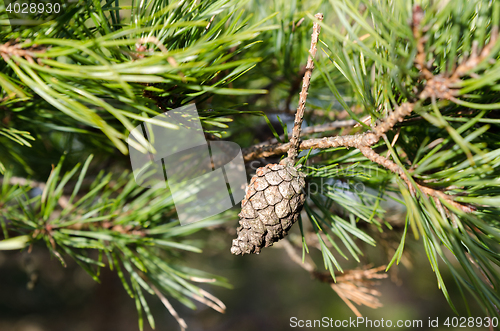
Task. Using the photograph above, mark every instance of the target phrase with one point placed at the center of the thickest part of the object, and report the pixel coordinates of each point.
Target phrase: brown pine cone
(273, 201)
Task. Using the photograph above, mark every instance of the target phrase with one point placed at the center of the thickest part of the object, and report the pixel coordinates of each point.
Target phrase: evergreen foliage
(426, 73)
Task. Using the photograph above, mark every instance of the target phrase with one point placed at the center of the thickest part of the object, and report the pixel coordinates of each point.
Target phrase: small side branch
(294, 256)
(394, 117)
(357, 140)
(321, 128)
(294, 141)
(170, 308)
(256, 152)
(8, 50)
(355, 285)
(390, 165)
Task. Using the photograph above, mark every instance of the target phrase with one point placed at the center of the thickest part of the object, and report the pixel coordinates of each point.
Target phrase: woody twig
(351, 286)
(299, 115)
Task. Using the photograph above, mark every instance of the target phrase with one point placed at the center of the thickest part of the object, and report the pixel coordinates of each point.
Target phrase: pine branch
(320, 128)
(114, 218)
(388, 164)
(436, 87)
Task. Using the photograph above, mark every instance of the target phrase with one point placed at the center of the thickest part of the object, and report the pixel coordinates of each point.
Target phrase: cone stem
(299, 115)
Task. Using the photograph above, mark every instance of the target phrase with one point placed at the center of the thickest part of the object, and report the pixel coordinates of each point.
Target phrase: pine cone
(273, 201)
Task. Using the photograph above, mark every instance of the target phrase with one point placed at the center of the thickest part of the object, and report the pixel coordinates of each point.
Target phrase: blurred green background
(38, 294)
(268, 290)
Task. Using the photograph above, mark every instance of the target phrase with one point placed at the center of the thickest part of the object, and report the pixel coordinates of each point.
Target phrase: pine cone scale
(285, 175)
(273, 195)
(258, 201)
(273, 178)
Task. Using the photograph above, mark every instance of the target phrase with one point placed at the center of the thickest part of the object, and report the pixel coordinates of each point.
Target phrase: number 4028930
(463, 322)
(33, 8)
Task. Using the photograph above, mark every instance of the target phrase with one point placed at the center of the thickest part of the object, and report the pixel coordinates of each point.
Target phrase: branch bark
(294, 141)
